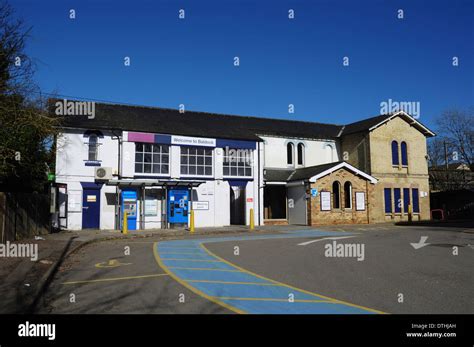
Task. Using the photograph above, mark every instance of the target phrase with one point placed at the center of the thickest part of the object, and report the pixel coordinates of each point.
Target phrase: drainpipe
(119, 170)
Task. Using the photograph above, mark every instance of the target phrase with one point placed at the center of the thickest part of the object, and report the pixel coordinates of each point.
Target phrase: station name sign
(193, 141)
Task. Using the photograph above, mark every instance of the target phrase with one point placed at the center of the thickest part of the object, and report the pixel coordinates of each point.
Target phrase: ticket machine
(129, 205)
(178, 207)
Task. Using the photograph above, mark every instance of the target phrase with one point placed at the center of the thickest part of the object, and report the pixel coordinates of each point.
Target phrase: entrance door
(90, 208)
(297, 205)
(237, 205)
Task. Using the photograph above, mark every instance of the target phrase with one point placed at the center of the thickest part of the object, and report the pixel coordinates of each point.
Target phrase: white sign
(200, 205)
(151, 207)
(325, 201)
(193, 141)
(360, 201)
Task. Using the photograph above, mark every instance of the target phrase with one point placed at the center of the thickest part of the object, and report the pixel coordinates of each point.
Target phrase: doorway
(237, 205)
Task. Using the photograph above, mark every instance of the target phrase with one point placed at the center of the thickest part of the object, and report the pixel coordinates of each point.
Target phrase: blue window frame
(406, 199)
(416, 204)
(403, 148)
(388, 200)
(395, 159)
(397, 200)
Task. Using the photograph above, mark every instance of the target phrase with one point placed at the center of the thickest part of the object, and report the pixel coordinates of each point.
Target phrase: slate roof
(190, 123)
(364, 124)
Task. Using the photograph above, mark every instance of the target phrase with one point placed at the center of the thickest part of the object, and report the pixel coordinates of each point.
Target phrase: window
(238, 162)
(196, 161)
(406, 199)
(347, 195)
(395, 159)
(336, 192)
(388, 200)
(93, 146)
(403, 147)
(415, 196)
(300, 154)
(289, 153)
(152, 158)
(397, 197)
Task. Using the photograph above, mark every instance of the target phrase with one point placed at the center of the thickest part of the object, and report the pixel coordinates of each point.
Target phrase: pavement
(276, 269)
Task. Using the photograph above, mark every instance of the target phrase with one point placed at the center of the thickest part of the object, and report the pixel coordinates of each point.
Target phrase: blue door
(90, 208)
(178, 205)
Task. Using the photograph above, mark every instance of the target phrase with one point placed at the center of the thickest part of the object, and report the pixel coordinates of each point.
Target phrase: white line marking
(421, 243)
(324, 238)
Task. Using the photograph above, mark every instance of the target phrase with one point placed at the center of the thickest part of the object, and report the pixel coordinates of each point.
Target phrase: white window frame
(184, 148)
(152, 162)
(237, 166)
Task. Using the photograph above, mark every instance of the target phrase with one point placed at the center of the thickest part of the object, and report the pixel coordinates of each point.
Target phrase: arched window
(328, 153)
(403, 148)
(92, 147)
(395, 159)
(347, 195)
(300, 154)
(336, 195)
(289, 153)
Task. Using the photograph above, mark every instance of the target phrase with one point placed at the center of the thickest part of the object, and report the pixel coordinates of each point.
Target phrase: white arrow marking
(421, 243)
(325, 238)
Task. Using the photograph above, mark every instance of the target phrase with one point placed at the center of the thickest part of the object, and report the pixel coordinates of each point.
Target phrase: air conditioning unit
(103, 173)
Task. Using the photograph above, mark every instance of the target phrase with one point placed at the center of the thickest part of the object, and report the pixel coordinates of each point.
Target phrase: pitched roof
(312, 173)
(370, 124)
(171, 121)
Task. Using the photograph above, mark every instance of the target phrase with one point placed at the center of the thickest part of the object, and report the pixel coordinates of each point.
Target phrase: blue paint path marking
(190, 263)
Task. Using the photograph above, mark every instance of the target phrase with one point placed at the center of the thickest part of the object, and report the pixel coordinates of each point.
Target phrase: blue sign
(129, 205)
(314, 192)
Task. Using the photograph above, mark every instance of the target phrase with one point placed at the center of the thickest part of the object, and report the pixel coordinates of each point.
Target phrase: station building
(159, 164)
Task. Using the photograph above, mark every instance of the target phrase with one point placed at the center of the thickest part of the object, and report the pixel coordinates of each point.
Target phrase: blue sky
(282, 61)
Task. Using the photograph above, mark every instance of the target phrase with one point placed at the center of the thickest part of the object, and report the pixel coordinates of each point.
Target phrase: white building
(158, 164)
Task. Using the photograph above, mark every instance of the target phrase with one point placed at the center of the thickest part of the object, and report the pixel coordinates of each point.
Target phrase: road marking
(324, 238)
(115, 279)
(228, 282)
(195, 253)
(291, 287)
(273, 299)
(206, 261)
(111, 263)
(421, 243)
(190, 287)
(200, 268)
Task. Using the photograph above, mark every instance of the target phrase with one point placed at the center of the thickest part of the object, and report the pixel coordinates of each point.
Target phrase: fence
(23, 215)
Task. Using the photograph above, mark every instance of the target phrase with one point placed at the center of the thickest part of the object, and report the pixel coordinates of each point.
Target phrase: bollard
(252, 221)
(410, 213)
(125, 223)
(191, 222)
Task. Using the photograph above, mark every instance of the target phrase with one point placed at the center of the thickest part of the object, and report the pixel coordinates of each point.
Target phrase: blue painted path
(190, 263)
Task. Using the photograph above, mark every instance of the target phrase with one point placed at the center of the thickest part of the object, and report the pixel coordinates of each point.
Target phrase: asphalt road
(271, 274)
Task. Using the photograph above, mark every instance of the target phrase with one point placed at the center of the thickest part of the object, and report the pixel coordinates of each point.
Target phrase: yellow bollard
(410, 213)
(125, 223)
(252, 221)
(191, 222)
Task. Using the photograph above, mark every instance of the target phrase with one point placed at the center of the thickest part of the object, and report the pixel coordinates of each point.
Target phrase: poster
(325, 201)
(360, 201)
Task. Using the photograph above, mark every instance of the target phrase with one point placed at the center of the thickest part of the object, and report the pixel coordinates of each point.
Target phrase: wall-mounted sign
(360, 201)
(314, 192)
(91, 198)
(249, 199)
(325, 201)
(193, 141)
(200, 205)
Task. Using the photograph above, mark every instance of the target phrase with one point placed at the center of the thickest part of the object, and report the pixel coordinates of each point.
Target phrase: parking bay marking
(116, 279)
(324, 238)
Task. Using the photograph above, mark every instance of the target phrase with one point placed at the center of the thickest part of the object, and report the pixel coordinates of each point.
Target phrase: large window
(336, 195)
(395, 158)
(388, 200)
(196, 161)
(300, 154)
(238, 162)
(406, 199)
(290, 149)
(416, 203)
(93, 147)
(152, 158)
(397, 197)
(403, 148)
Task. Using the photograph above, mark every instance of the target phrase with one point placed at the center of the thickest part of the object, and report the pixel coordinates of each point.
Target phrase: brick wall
(340, 215)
